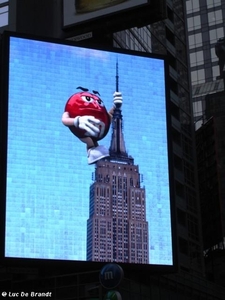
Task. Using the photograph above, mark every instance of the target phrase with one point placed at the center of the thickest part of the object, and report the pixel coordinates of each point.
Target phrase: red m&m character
(88, 119)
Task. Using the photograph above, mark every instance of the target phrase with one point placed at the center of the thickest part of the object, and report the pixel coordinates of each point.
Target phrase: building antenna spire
(117, 76)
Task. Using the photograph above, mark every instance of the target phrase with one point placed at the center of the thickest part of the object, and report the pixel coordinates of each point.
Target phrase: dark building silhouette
(206, 144)
(210, 144)
(220, 52)
(117, 230)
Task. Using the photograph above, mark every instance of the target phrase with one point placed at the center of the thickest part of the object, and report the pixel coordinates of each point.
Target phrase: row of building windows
(210, 23)
(213, 18)
(195, 40)
(197, 59)
(194, 5)
(198, 76)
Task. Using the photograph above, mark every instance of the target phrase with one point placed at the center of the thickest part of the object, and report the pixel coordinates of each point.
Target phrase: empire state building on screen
(117, 230)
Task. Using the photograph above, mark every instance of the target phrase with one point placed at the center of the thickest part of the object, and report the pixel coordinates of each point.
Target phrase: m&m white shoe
(97, 153)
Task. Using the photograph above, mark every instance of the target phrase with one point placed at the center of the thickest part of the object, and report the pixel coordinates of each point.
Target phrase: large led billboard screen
(111, 203)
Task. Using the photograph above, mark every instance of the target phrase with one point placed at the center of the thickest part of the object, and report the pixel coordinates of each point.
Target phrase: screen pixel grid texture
(48, 177)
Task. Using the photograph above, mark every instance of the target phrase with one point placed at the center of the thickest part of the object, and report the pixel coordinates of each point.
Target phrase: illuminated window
(213, 54)
(198, 76)
(194, 23)
(216, 72)
(213, 3)
(192, 6)
(196, 58)
(197, 107)
(215, 34)
(195, 40)
(4, 13)
(215, 17)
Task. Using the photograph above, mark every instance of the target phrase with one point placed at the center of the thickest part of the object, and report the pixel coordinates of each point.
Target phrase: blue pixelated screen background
(48, 178)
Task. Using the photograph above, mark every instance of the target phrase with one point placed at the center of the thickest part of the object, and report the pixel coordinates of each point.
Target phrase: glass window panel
(196, 58)
(201, 75)
(190, 23)
(194, 77)
(188, 6)
(194, 23)
(213, 3)
(197, 107)
(215, 34)
(192, 6)
(215, 17)
(219, 17)
(216, 71)
(213, 54)
(211, 18)
(197, 22)
(4, 9)
(195, 40)
(191, 41)
(199, 55)
(198, 76)
(212, 35)
(195, 5)
(192, 59)
(4, 16)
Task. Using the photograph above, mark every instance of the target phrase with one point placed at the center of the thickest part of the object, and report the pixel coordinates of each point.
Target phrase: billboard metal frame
(81, 265)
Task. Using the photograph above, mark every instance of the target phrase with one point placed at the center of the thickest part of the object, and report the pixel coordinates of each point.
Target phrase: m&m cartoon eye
(87, 98)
